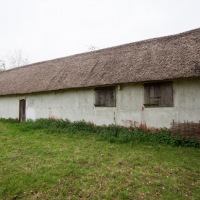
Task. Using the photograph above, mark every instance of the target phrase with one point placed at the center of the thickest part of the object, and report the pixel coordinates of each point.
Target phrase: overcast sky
(47, 29)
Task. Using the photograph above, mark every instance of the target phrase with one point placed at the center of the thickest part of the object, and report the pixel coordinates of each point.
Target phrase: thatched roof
(164, 58)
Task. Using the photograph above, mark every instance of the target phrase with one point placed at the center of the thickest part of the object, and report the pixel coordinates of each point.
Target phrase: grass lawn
(38, 165)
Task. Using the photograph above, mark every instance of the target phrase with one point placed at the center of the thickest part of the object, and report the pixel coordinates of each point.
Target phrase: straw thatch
(164, 58)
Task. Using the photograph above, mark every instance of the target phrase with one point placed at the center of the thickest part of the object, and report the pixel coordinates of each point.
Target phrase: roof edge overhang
(98, 85)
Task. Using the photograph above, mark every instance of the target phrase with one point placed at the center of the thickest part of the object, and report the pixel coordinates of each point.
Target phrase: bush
(10, 120)
(110, 133)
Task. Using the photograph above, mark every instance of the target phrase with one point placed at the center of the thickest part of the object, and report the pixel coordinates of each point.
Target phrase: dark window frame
(105, 96)
(158, 94)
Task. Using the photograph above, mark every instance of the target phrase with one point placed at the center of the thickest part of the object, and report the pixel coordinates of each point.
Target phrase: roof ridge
(107, 48)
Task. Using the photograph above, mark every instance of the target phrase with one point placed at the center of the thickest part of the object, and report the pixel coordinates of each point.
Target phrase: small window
(105, 97)
(158, 94)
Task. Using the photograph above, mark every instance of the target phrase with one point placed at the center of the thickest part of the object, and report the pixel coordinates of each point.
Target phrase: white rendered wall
(9, 107)
(78, 104)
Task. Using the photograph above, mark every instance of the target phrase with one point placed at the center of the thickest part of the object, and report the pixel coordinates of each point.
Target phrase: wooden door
(22, 110)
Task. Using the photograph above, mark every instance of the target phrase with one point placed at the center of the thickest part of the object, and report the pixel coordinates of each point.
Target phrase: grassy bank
(49, 160)
(111, 133)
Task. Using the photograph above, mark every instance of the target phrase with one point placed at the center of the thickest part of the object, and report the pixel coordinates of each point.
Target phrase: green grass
(37, 164)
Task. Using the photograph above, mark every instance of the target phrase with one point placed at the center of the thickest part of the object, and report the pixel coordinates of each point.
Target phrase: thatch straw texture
(170, 57)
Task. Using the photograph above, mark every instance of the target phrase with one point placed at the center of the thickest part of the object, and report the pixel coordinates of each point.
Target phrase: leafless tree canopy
(2, 65)
(13, 59)
(92, 48)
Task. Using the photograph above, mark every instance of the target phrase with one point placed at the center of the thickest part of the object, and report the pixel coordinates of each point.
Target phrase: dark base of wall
(186, 129)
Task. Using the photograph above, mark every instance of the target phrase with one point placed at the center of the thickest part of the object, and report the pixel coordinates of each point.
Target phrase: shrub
(9, 120)
(110, 133)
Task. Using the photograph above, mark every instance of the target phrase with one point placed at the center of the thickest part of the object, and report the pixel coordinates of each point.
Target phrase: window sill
(103, 106)
(157, 106)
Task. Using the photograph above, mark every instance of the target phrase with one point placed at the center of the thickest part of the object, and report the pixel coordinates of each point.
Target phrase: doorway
(22, 110)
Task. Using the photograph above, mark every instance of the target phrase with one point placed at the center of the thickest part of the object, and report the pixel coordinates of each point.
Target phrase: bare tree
(15, 59)
(2, 65)
(92, 48)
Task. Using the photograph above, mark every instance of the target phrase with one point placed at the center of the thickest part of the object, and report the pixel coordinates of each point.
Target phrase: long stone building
(153, 83)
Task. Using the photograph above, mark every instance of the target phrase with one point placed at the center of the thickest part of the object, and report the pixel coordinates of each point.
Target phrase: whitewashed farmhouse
(153, 83)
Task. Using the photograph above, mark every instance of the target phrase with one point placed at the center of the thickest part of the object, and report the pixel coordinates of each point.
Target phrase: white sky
(47, 29)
